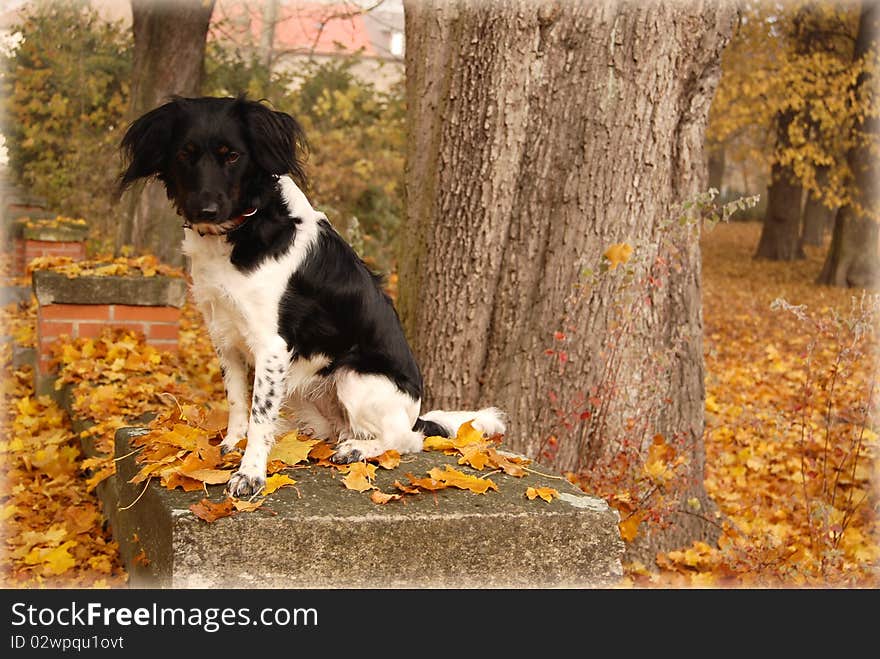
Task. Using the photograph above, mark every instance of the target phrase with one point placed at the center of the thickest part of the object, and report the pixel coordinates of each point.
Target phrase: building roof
(312, 27)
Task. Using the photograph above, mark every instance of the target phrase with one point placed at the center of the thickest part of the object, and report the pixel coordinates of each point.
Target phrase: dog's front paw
(243, 485)
(230, 444)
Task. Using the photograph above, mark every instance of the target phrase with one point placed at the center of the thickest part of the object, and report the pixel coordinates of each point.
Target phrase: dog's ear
(146, 143)
(277, 141)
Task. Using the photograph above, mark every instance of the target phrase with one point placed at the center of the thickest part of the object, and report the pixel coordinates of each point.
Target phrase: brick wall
(24, 250)
(160, 325)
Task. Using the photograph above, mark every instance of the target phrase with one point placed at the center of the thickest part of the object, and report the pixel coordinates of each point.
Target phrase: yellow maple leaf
(360, 476)
(546, 493)
(454, 478)
(277, 481)
(618, 253)
(291, 450)
(54, 561)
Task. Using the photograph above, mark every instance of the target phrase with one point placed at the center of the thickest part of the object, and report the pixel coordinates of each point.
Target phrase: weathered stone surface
(322, 535)
(62, 233)
(55, 288)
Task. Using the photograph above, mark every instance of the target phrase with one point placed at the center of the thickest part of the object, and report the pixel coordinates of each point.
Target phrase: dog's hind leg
(380, 418)
(269, 390)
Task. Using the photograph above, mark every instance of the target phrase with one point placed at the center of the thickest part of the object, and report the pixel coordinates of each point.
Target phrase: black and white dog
(281, 291)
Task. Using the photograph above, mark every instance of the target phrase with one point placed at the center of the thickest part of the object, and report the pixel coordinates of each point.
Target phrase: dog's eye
(232, 156)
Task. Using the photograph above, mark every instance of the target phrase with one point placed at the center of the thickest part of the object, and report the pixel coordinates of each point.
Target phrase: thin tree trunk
(852, 259)
(541, 134)
(169, 53)
(267, 34)
(716, 166)
(817, 216)
(781, 234)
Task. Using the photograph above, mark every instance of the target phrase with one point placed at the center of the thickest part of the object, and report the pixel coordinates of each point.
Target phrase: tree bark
(541, 133)
(169, 53)
(852, 259)
(817, 216)
(781, 233)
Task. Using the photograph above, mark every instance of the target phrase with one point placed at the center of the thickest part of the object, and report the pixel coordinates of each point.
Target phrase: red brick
(164, 344)
(163, 331)
(146, 314)
(75, 311)
(90, 330)
(55, 328)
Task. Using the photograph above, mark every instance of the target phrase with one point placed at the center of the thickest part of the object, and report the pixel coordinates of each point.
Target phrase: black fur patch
(431, 429)
(335, 306)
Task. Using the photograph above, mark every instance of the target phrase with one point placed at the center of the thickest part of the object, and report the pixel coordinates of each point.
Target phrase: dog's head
(216, 156)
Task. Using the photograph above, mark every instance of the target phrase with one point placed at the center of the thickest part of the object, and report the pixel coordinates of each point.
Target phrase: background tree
(65, 91)
(540, 135)
(784, 97)
(169, 53)
(852, 256)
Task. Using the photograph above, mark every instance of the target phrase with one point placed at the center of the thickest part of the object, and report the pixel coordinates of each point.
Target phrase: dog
(281, 292)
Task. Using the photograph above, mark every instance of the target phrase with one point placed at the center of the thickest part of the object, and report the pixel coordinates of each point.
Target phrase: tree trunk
(267, 35)
(817, 216)
(169, 53)
(716, 166)
(853, 253)
(541, 134)
(781, 234)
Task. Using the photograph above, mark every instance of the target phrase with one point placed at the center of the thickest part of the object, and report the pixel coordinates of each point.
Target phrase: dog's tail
(440, 423)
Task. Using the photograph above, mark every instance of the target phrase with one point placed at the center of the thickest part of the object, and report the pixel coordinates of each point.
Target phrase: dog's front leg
(235, 373)
(269, 390)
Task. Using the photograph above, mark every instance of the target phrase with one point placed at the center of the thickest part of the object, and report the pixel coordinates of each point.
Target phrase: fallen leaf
(360, 476)
(243, 506)
(430, 484)
(292, 450)
(382, 497)
(54, 561)
(211, 512)
(390, 459)
(546, 493)
(277, 481)
(209, 476)
(454, 478)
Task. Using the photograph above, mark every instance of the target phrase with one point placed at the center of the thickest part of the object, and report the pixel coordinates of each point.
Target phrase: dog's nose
(209, 212)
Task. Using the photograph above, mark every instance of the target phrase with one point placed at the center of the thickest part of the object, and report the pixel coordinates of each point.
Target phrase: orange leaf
(454, 478)
(546, 493)
(382, 498)
(429, 484)
(629, 528)
(209, 476)
(618, 253)
(360, 475)
(406, 489)
(211, 512)
(390, 459)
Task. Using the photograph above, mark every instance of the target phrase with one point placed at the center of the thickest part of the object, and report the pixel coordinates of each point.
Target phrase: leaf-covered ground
(791, 451)
(790, 457)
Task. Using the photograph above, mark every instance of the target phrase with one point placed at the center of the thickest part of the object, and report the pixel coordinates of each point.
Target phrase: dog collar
(221, 229)
(241, 219)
